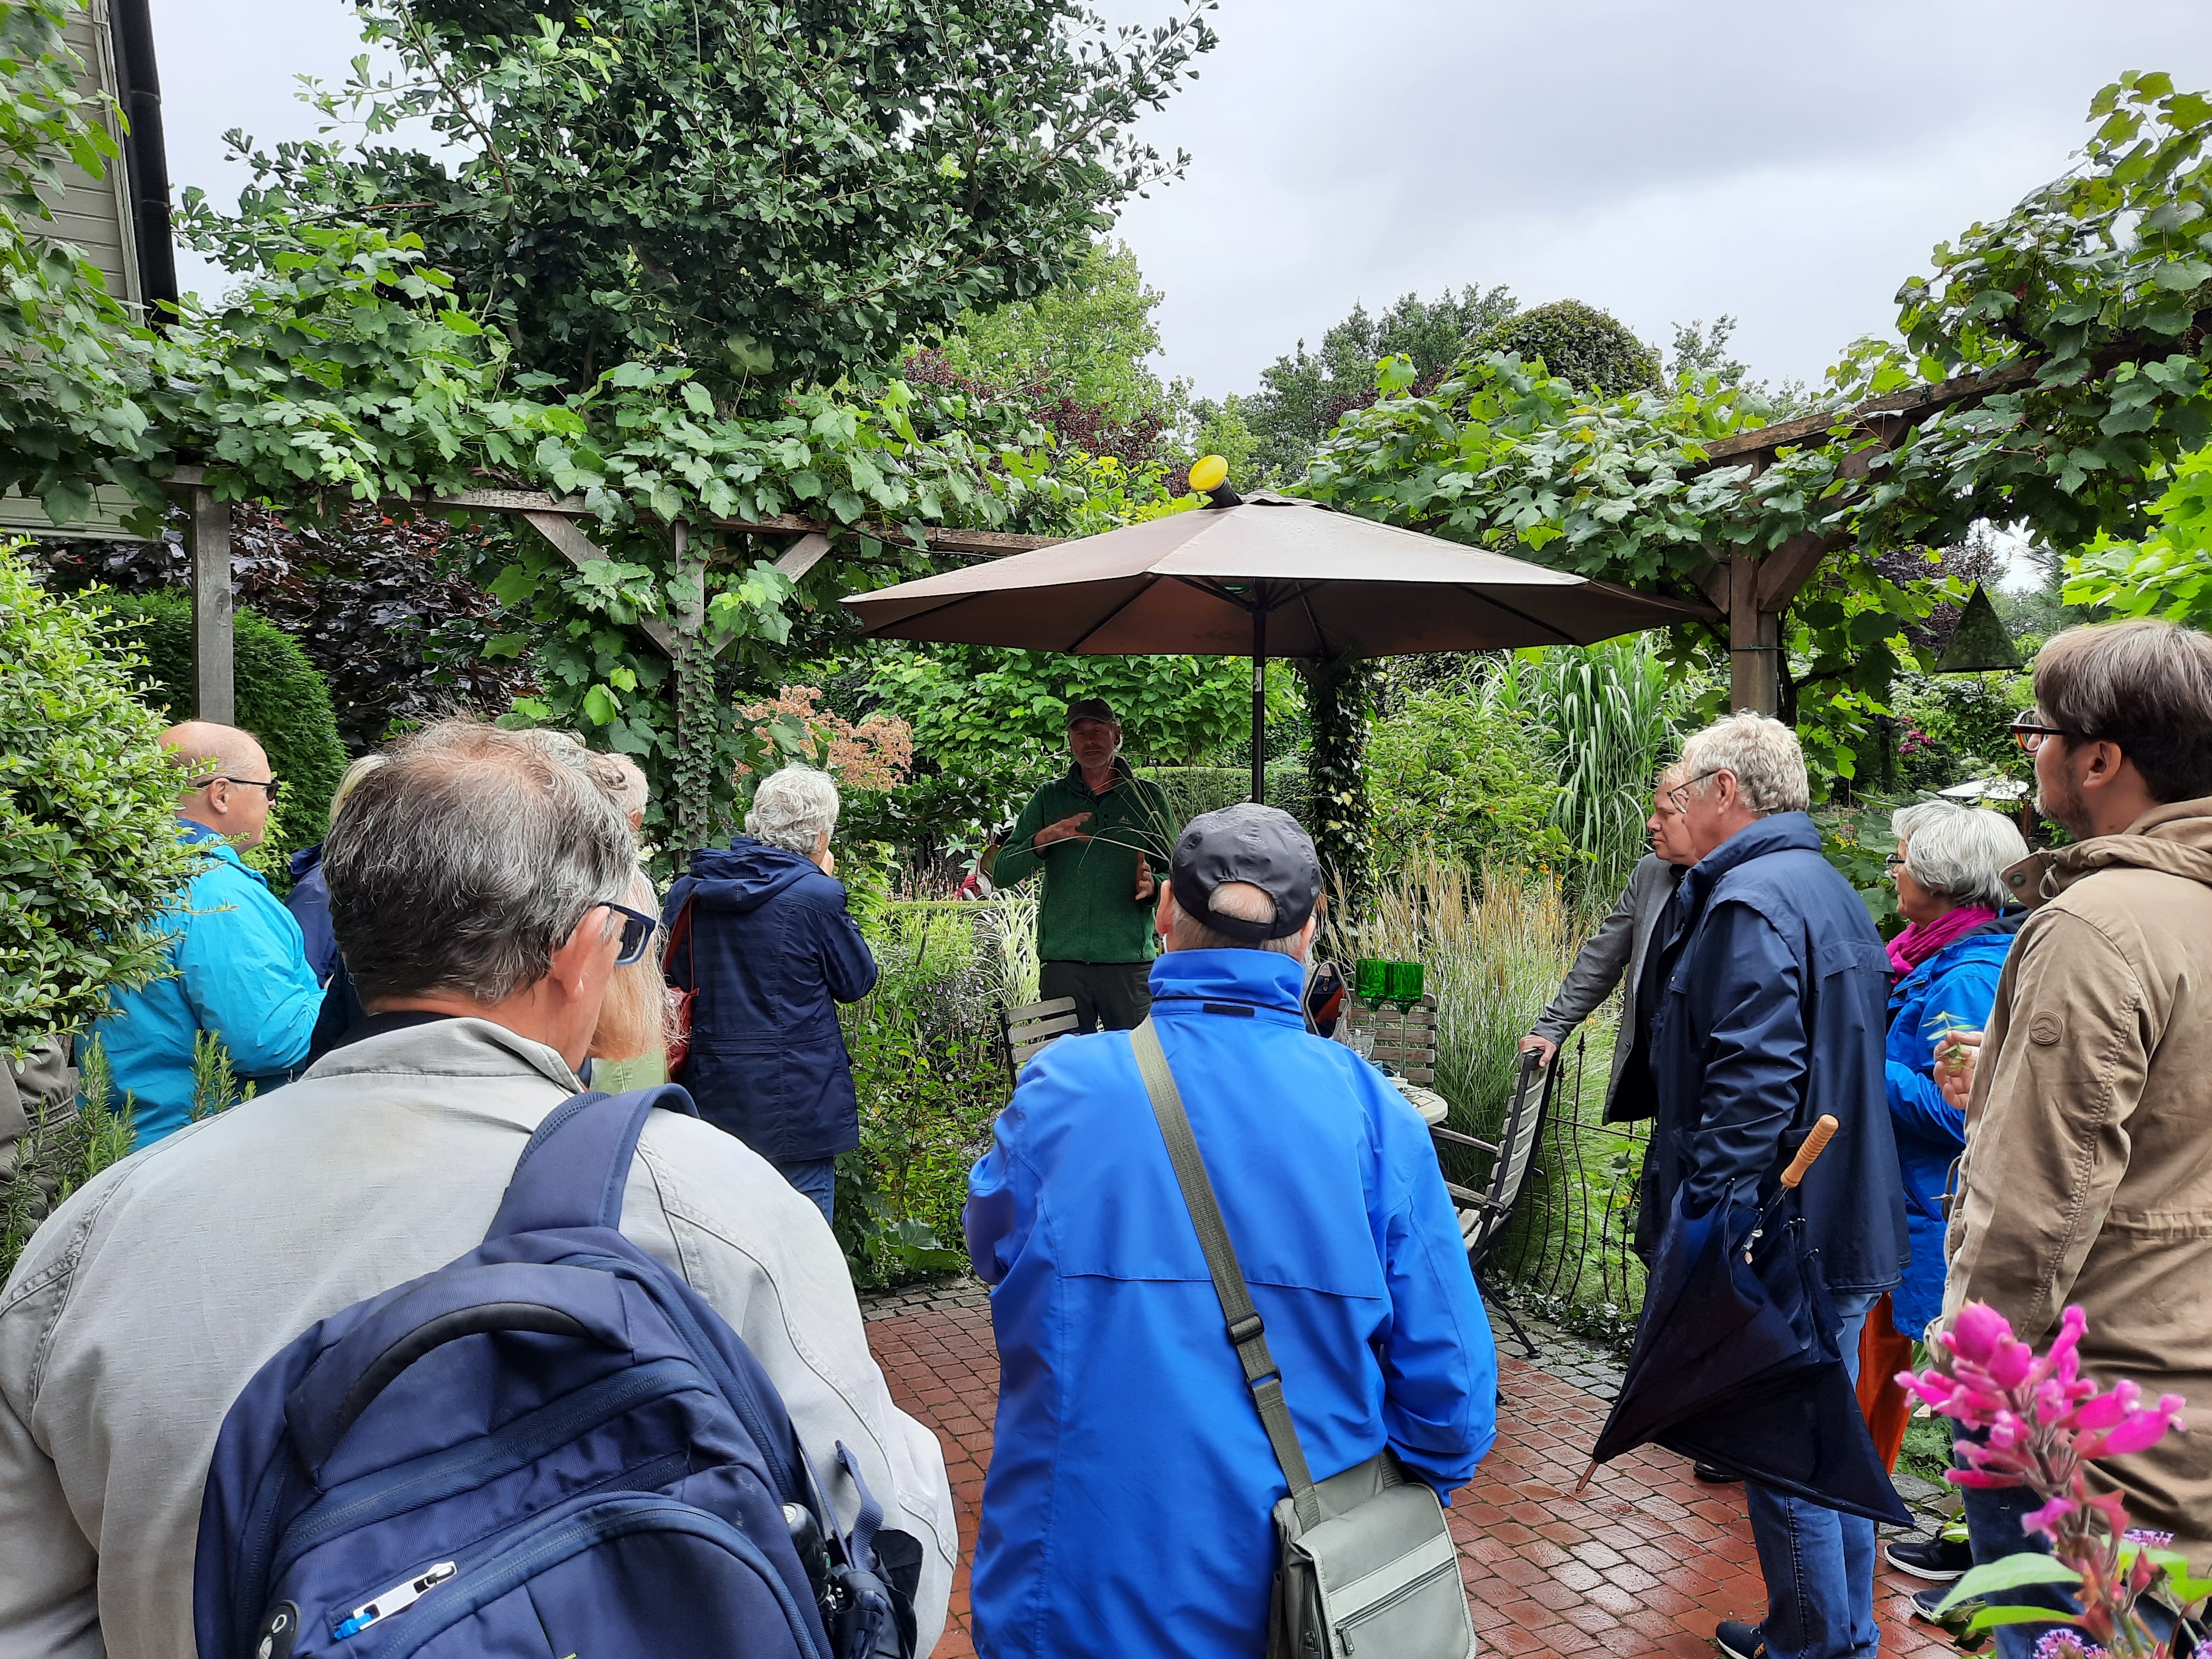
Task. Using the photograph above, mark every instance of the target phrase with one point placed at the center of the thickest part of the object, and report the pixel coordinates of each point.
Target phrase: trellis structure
(680, 636)
(1753, 591)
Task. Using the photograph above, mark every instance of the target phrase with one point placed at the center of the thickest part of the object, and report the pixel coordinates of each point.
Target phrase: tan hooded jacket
(2087, 1175)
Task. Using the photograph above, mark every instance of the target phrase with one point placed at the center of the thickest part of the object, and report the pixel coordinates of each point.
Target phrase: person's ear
(571, 962)
(1306, 938)
(1163, 918)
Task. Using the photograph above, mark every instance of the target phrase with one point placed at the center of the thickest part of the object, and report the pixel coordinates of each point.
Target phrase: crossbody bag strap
(1246, 1329)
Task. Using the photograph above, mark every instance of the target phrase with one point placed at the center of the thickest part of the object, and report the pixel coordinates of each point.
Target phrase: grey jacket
(146, 1301)
(1614, 954)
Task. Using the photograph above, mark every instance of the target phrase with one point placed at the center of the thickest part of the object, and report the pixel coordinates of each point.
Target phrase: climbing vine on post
(1339, 694)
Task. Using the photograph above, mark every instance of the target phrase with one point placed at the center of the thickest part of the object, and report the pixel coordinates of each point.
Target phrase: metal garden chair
(1034, 1027)
(1484, 1216)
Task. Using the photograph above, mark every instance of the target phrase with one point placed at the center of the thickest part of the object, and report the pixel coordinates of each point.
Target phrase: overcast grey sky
(1786, 162)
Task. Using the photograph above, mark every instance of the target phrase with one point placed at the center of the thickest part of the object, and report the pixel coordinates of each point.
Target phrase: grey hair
(793, 808)
(1959, 853)
(465, 861)
(351, 779)
(1762, 753)
(1244, 900)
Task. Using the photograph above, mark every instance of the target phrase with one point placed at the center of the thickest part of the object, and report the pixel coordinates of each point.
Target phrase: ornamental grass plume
(2042, 1423)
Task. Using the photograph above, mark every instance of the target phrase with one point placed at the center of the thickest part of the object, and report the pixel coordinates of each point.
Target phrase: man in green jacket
(1098, 835)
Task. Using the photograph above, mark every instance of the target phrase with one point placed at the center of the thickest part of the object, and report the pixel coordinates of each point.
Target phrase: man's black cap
(1091, 708)
(1262, 845)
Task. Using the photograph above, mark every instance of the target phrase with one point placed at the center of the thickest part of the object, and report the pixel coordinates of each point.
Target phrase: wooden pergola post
(214, 696)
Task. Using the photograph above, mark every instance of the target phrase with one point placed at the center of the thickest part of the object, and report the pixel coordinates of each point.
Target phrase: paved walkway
(1646, 1561)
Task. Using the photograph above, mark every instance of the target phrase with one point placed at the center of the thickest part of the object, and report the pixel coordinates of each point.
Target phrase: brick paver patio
(1647, 1561)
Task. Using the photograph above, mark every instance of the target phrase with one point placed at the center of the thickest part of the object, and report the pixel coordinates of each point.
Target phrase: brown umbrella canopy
(1272, 576)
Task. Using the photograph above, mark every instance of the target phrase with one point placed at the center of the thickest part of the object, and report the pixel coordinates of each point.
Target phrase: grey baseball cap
(1262, 845)
(1091, 708)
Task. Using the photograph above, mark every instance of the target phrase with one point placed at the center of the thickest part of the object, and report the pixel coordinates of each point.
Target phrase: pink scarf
(1923, 940)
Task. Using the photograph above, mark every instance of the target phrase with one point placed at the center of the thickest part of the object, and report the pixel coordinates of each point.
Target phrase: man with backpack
(474, 889)
(1136, 1462)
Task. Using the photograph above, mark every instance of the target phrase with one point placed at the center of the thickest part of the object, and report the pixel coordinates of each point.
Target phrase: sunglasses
(273, 785)
(637, 930)
(2028, 730)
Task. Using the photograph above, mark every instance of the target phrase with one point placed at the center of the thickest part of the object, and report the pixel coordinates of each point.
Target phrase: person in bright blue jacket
(1127, 1507)
(1949, 870)
(771, 950)
(241, 968)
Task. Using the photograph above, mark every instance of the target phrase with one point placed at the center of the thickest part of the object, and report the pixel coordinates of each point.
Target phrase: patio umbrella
(1735, 1361)
(1266, 574)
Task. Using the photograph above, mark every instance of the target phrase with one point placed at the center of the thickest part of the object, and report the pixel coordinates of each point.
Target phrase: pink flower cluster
(1997, 1384)
(2041, 1424)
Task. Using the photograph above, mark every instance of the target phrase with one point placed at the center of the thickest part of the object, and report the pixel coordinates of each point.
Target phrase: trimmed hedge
(1192, 790)
(1578, 343)
(282, 699)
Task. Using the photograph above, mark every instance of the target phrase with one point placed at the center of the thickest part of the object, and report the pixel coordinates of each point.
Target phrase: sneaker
(1938, 1558)
(1714, 1475)
(1739, 1641)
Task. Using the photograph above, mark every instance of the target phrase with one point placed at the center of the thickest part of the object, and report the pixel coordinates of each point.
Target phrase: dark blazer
(1613, 955)
(1771, 1011)
(775, 953)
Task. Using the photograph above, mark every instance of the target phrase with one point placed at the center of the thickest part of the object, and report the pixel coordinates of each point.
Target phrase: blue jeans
(817, 1178)
(1818, 1565)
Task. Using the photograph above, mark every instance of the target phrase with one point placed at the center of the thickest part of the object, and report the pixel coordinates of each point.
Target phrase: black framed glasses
(273, 785)
(636, 933)
(1679, 796)
(2029, 729)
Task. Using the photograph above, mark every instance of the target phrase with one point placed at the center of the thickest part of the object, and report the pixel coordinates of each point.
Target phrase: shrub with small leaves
(89, 857)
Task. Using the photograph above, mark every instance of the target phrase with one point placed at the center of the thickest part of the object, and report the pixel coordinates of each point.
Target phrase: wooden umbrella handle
(1823, 1132)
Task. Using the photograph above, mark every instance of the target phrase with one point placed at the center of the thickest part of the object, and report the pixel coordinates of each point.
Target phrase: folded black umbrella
(1736, 1360)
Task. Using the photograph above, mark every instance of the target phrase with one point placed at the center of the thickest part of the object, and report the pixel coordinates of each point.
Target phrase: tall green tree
(1090, 339)
(1303, 394)
(779, 193)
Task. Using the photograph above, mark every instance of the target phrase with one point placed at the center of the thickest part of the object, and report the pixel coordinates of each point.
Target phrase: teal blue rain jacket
(1126, 1512)
(241, 971)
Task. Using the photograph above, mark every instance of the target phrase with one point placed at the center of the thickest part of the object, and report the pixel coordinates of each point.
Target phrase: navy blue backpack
(551, 1446)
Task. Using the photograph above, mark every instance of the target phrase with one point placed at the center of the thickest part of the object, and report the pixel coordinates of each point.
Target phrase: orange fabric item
(1882, 1353)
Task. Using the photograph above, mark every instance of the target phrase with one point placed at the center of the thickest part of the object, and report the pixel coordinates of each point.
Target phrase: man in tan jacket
(2087, 1175)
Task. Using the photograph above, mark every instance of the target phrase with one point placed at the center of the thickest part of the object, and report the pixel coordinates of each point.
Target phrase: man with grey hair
(1772, 983)
(1615, 955)
(2085, 1180)
(760, 931)
(1116, 1382)
(473, 886)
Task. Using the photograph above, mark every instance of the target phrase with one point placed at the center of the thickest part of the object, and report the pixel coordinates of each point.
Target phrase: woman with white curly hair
(760, 931)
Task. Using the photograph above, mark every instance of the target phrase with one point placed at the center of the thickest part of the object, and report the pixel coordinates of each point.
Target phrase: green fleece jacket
(1089, 912)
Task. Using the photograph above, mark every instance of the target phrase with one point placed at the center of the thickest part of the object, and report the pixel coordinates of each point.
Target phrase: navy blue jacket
(1772, 1012)
(774, 952)
(1960, 980)
(309, 902)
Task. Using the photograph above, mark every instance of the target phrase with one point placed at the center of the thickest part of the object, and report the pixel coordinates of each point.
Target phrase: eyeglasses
(1679, 796)
(273, 785)
(636, 931)
(1894, 861)
(2028, 730)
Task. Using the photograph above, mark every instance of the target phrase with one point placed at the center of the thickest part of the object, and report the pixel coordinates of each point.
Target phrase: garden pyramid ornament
(1979, 641)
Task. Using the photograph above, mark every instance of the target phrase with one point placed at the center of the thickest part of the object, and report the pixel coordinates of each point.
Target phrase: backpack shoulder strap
(1246, 1329)
(572, 1171)
(679, 939)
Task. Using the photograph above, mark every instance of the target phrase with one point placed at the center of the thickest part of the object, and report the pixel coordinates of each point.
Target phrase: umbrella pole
(1259, 702)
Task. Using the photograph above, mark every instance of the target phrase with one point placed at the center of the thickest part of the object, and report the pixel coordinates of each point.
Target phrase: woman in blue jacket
(772, 951)
(1949, 870)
